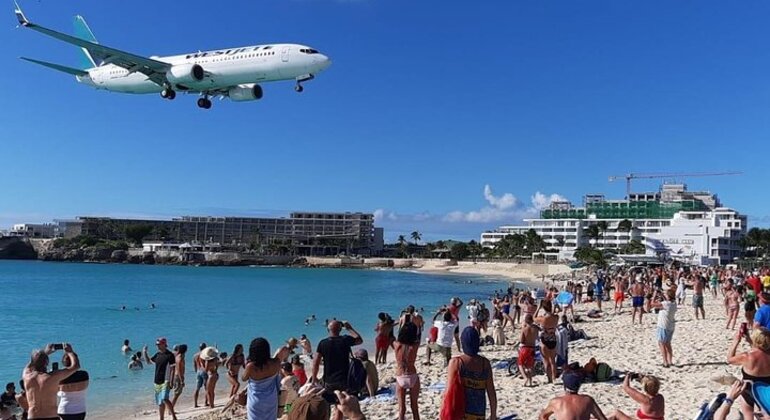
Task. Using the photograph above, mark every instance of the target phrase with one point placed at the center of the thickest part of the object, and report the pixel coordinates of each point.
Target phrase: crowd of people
(277, 386)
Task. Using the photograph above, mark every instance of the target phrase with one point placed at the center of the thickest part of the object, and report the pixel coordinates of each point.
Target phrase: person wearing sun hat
(210, 358)
(572, 404)
(165, 363)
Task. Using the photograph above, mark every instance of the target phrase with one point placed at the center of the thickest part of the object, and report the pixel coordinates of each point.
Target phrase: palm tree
(625, 225)
(402, 245)
(602, 225)
(416, 237)
(593, 232)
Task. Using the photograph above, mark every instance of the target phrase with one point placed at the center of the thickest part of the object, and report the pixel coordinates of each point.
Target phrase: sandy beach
(700, 349)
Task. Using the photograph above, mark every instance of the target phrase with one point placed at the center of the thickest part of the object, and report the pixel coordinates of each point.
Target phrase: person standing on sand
(179, 352)
(407, 379)
(454, 308)
(233, 365)
(164, 362)
(572, 405)
(620, 294)
(334, 352)
(599, 290)
(42, 386)
(384, 329)
(200, 376)
(527, 341)
(637, 301)
(307, 348)
(263, 378)
(476, 376)
(410, 314)
(699, 283)
(548, 339)
(444, 336)
(666, 325)
(210, 358)
(681, 290)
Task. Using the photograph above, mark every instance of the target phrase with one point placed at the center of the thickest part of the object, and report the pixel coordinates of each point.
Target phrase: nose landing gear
(298, 88)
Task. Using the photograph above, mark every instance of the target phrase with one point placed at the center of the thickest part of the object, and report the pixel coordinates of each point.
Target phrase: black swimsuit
(747, 394)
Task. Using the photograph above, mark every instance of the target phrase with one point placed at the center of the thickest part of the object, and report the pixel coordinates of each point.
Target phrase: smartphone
(744, 328)
(54, 366)
(58, 346)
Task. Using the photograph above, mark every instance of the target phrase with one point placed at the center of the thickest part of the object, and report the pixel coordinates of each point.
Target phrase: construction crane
(631, 176)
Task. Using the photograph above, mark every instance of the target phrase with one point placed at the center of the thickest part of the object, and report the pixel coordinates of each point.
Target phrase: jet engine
(247, 92)
(185, 74)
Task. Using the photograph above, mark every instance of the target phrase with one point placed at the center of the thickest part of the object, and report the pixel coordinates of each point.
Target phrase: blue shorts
(200, 379)
(638, 301)
(664, 336)
(162, 392)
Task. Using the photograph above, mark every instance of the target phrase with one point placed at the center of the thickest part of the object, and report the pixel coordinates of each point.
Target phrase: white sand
(700, 349)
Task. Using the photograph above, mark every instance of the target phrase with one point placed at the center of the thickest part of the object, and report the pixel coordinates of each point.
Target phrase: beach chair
(708, 408)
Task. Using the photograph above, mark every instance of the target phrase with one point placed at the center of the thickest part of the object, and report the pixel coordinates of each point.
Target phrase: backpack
(356, 376)
(603, 372)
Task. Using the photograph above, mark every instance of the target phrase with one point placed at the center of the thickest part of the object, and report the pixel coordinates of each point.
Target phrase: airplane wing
(59, 67)
(155, 70)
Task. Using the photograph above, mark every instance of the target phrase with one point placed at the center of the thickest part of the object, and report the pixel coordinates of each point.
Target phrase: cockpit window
(268, 47)
(308, 51)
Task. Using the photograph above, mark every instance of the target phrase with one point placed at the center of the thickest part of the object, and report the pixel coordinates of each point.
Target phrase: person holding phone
(334, 353)
(42, 386)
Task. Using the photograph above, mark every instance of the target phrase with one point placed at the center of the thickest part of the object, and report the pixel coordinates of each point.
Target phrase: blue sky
(427, 102)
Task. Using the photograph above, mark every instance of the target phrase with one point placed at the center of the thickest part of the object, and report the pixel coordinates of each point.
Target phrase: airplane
(234, 73)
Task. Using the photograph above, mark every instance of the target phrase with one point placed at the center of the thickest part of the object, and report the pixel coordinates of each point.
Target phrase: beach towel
(510, 417)
(453, 405)
(437, 387)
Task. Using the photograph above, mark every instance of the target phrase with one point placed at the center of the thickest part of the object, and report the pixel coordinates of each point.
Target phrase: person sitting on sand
(384, 329)
(262, 375)
(651, 404)
(126, 347)
(298, 369)
(572, 405)
(372, 376)
(755, 363)
(233, 365)
(289, 389)
(527, 341)
(42, 386)
(476, 376)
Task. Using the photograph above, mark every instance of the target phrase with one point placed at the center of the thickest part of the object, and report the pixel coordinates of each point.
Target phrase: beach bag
(603, 372)
(453, 406)
(356, 376)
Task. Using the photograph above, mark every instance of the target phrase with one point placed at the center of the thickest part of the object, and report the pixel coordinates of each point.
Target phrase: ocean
(44, 302)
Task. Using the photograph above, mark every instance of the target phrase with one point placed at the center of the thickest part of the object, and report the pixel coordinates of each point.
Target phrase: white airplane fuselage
(223, 69)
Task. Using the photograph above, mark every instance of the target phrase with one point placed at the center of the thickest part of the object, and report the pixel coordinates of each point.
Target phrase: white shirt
(473, 312)
(667, 316)
(72, 402)
(446, 331)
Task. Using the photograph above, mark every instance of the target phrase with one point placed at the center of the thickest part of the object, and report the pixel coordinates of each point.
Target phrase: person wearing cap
(572, 405)
(762, 317)
(165, 363)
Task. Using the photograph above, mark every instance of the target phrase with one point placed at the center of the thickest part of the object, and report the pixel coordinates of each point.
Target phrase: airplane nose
(324, 62)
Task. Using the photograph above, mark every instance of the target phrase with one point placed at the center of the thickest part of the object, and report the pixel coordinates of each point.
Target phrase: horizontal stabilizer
(65, 69)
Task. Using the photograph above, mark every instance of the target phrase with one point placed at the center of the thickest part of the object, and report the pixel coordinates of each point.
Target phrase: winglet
(23, 21)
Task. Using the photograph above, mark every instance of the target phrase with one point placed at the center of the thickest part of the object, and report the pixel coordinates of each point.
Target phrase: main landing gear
(167, 93)
(204, 102)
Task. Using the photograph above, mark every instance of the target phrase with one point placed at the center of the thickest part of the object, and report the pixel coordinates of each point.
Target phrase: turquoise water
(55, 302)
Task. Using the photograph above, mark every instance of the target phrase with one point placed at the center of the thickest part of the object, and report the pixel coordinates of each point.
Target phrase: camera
(54, 366)
(58, 346)
(330, 397)
(634, 376)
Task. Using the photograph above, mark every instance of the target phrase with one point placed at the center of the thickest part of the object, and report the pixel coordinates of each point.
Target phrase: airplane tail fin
(83, 32)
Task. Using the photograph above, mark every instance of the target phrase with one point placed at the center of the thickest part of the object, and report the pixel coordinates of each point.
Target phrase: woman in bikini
(755, 364)
(651, 404)
(210, 357)
(733, 306)
(548, 341)
(233, 366)
(406, 346)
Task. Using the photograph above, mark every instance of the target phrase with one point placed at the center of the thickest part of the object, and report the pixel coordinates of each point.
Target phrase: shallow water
(78, 303)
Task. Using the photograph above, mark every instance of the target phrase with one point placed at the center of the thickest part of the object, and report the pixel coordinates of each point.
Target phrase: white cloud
(504, 202)
(541, 201)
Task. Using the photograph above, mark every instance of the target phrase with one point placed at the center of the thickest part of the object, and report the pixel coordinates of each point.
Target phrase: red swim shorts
(382, 342)
(526, 357)
(619, 296)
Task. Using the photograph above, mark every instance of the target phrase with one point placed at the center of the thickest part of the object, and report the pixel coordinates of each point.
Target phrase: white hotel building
(683, 225)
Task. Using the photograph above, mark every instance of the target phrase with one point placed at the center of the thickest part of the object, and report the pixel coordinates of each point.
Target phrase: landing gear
(301, 79)
(298, 88)
(204, 103)
(167, 94)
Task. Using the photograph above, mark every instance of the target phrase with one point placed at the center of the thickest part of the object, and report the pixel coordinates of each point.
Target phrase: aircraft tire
(204, 103)
(298, 88)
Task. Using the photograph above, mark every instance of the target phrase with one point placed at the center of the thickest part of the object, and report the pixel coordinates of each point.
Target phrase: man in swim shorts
(599, 291)
(165, 363)
(180, 350)
(201, 377)
(526, 359)
(620, 294)
(637, 301)
(699, 284)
